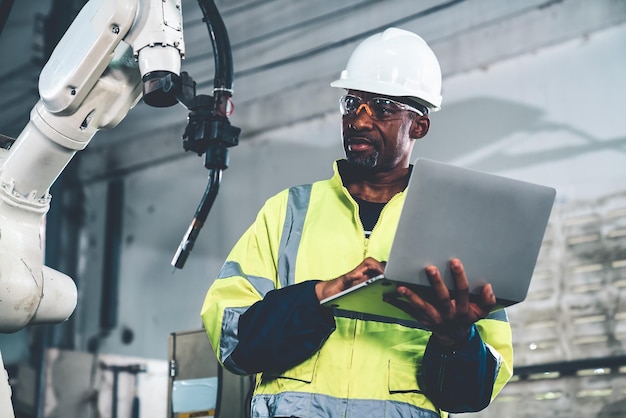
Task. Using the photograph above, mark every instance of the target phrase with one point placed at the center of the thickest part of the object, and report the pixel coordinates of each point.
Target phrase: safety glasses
(378, 108)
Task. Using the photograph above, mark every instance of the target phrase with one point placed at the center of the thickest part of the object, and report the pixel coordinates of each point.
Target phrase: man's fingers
(420, 309)
(368, 268)
(403, 305)
(371, 267)
(461, 286)
(447, 317)
(487, 299)
(442, 294)
(488, 296)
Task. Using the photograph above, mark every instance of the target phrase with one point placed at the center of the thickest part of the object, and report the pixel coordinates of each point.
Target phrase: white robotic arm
(93, 78)
(114, 53)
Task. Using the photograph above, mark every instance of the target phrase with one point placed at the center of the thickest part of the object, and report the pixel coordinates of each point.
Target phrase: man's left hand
(449, 319)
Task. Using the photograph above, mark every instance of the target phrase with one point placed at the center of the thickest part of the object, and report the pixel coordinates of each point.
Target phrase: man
(263, 315)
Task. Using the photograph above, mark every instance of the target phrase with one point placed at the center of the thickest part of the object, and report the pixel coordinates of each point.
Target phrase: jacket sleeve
(466, 378)
(248, 317)
(282, 330)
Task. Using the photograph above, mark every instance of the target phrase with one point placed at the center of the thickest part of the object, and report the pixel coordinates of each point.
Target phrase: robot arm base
(58, 298)
(48, 299)
(30, 293)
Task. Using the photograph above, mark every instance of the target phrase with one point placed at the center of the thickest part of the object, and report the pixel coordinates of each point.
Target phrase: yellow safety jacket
(366, 367)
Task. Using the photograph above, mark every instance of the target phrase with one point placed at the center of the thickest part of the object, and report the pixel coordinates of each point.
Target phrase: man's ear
(420, 126)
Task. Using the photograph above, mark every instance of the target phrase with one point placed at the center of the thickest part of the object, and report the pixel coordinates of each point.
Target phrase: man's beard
(364, 162)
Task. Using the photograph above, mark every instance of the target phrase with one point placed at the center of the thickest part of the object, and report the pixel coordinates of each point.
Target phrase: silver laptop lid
(494, 224)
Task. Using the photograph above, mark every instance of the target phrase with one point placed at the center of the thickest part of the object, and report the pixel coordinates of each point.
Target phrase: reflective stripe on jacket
(366, 367)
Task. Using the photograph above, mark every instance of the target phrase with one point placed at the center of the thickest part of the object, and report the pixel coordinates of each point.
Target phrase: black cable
(221, 45)
(210, 193)
(208, 131)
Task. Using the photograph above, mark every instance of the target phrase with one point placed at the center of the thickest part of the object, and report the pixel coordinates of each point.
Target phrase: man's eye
(384, 106)
(382, 110)
(351, 103)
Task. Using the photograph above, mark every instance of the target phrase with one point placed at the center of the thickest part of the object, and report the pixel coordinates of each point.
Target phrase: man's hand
(367, 269)
(450, 319)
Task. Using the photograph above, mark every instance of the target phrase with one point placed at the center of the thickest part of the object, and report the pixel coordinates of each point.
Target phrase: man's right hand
(367, 269)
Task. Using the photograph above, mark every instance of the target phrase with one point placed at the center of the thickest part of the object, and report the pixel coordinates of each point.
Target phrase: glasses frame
(368, 107)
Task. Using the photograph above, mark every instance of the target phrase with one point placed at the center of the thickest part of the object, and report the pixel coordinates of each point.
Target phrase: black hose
(213, 134)
(186, 245)
(221, 46)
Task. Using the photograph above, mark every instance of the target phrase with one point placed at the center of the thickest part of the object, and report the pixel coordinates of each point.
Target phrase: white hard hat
(395, 62)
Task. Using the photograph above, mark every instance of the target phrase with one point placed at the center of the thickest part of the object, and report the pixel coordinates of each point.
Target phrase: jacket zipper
(382, 214)
(442, 372)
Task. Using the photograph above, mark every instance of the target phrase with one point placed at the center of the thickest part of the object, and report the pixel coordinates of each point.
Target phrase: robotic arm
(93, 78)
(114, 53)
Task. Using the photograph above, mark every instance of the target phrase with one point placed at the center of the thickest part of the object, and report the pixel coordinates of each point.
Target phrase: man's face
(377, 141)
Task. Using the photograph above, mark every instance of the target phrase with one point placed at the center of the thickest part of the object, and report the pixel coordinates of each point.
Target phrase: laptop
(495, 225)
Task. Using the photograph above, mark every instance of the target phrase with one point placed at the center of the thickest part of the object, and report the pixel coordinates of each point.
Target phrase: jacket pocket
(403, 377)
(303, 372)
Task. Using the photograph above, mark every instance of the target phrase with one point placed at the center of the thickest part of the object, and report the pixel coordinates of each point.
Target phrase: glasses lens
(385, 108)
(349, 104)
